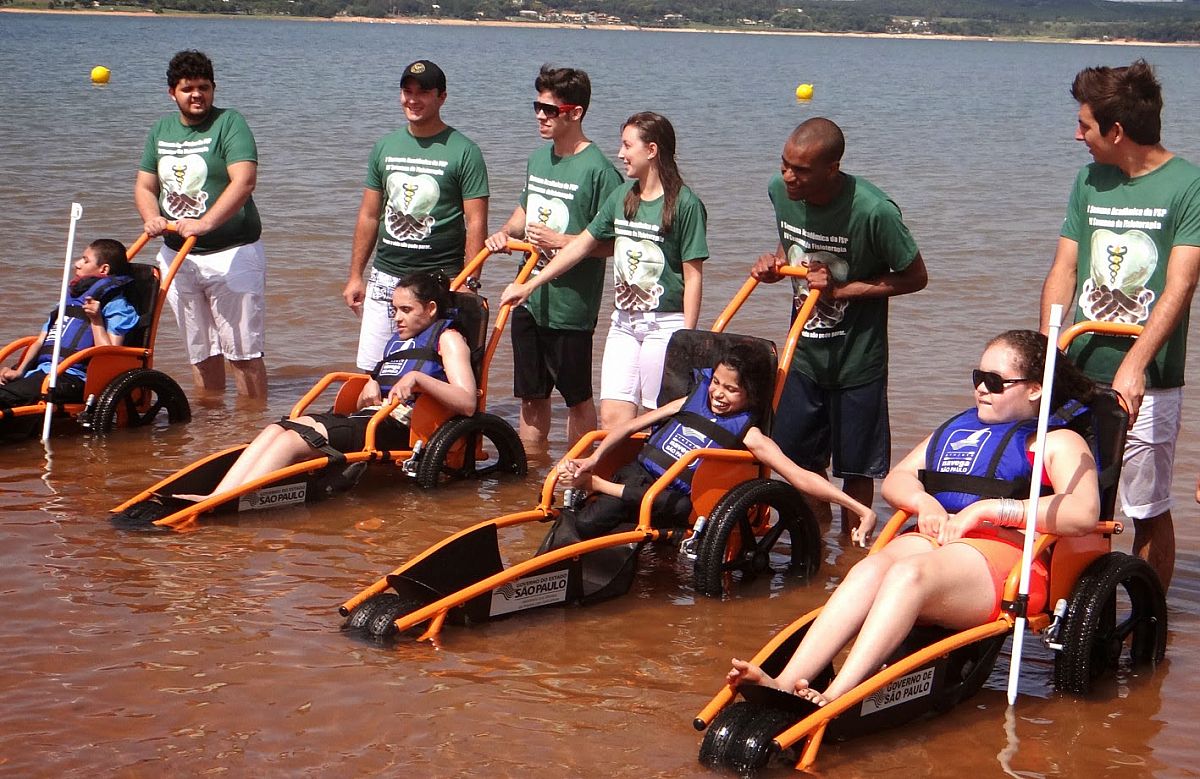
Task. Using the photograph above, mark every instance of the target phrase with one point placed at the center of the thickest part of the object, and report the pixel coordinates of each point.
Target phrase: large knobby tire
(136, 398)
(741, 737)
(503, 452)
(728, 547)
(1118, 598)
(376, 616)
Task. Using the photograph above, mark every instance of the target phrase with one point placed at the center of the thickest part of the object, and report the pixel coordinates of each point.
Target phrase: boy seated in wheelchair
(96, 314)
(718, 413)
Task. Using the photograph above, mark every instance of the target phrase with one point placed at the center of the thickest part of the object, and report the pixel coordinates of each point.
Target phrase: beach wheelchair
(743, 523)
(121, 389)
(1099, 602)
(442, 446)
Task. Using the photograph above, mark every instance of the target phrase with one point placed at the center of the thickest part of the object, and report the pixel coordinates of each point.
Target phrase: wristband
(1011, 513)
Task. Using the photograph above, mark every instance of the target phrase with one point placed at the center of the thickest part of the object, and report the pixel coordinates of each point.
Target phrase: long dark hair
(654, 128)
(1029, 346)
(429, 287)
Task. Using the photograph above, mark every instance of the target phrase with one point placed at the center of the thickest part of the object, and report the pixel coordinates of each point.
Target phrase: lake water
(218, 651)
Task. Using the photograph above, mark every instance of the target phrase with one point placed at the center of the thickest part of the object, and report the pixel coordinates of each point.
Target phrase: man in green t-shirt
(859, 253)
(1129, 252)
(198, 169)
(424, 207)
(566, 182)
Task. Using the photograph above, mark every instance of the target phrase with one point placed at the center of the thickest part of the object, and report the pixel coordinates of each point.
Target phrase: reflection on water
(219, 650)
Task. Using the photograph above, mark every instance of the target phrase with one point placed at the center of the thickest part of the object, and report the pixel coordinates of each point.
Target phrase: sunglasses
(992, 382)
(551, 110)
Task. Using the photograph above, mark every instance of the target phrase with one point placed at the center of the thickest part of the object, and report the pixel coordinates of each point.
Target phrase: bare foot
(749, 673)
(189, 497)
(809, 694)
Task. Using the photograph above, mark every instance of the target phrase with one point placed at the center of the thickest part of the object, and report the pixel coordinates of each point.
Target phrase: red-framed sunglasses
(551, 110)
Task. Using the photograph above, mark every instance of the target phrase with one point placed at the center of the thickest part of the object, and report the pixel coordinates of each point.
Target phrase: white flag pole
(76, 215)
(1035, 492)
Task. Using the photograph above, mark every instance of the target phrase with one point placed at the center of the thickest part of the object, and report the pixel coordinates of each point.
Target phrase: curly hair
(1029, 346)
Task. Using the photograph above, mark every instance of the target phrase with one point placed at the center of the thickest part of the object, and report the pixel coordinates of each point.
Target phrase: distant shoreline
(602, 27)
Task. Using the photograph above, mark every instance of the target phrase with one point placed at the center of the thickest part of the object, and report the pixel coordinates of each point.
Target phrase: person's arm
(475, 214)
(903, 489)
(458, 393)
(366, 229)
(243, 177)
(582, 245)
(912, 279)
(145, 199)
(100, 333)
(766, 267)
(513, 228)
(769, 454)
(8, 374)
(370, 395)
(693, 292)
(577, 470)
(1059, 286)
(1183, 265)
(1073, 509)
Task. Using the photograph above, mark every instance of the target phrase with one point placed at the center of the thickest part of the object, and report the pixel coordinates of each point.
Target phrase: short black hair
(112, 253)
(189, 64)
(569, 85)
(1130, 95)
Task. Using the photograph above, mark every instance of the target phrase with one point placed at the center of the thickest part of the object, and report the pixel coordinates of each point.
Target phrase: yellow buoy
(804, 92)
(100, 74)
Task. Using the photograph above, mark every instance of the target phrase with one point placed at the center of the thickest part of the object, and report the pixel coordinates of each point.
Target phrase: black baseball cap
(428, 75)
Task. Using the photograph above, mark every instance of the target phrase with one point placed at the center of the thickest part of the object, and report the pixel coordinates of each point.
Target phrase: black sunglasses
(992, 382)
(551, 110)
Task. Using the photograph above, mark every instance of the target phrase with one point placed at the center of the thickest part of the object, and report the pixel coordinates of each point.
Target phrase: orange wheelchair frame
(121, 388)
(442, 445)
(463, 575)
(935, 668)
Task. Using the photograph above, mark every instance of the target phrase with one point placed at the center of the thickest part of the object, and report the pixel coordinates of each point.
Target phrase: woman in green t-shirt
(657, 225)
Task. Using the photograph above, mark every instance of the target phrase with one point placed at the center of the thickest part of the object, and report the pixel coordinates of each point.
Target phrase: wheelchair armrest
(889, 531)
(20, 343)
(357, 380)
(677, 468)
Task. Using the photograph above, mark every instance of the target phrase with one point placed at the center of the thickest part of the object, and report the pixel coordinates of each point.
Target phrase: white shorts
(1145, 489)
(219, 301)
(633, 356)
(377, 314)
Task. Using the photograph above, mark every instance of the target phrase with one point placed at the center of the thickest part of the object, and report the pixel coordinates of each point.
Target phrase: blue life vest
(968, 460)
(694, 426)
(402, 355)
(75, 332)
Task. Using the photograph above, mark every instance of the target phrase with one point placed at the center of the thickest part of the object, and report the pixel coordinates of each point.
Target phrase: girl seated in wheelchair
(425, 356)
(951, 570)
(719, 412)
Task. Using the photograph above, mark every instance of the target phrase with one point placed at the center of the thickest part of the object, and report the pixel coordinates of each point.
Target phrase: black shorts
(545, 358)
(27, 390)
(349, 433)
(849, 425)
(603, 514)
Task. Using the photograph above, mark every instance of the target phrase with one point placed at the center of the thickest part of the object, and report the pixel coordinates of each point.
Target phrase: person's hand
(354, 293)
(8, 374)
(958, 525)
(370, 395)
(766, 268)
(819, 277)
(515, 294)
(1131, 385)
(91, 310)
(156, 226)
(930, 516)
(573, 473)
(544, 238)
(1197, 483)
(186, 228)
(405, 390)
(497, 242)
(866, 525)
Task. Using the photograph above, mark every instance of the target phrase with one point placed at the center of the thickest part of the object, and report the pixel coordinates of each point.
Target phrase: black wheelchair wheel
(382, 624)
(1117, 599)
(728, 547)
(503, 452)
(364, 613)
(742, 737)
(136, 398)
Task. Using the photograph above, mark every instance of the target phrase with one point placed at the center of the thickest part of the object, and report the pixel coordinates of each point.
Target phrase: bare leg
(950, 586)
(861, 489)
(209, 374)
(1154, 542)
(581, 418)
(616, 412)
(250, 376)
(273, 448)
(534, 427)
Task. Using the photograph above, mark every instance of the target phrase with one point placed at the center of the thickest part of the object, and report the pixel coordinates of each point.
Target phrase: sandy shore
(603, 27)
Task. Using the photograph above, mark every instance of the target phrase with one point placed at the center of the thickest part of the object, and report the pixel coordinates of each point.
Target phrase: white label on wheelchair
(270, 497)
(530, 591)
(915, 685)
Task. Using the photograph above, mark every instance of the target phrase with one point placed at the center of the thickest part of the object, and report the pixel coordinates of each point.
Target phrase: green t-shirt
(647, 265)
(844, 343)
(1126, 229)
(564, 193)
(191, 163)
(424, 182)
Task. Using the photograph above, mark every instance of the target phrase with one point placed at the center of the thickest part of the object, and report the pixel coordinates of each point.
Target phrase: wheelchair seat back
(692, 350)
(471, 317)
(142, 294)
